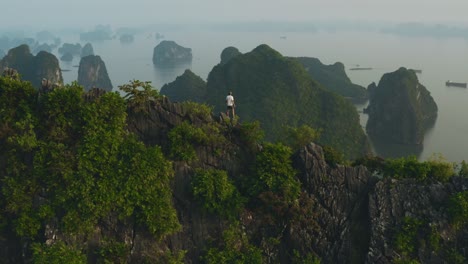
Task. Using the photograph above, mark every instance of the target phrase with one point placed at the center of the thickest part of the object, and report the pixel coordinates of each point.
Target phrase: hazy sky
(85, 13)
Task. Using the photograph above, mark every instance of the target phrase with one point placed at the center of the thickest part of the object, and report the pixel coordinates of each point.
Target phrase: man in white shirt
(230, 104)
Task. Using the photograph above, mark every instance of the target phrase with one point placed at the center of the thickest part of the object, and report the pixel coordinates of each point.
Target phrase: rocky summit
(169, 52)
(400, 109)
(33, 68)
(187, 87)
(92, 73)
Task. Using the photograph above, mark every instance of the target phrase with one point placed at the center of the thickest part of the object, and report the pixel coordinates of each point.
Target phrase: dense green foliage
(458, 209)
(333, 77)
(139, 95)
(184, 137)
(235, 249)
(216, 192)
(409, 167)
(72, 160)
(57, 253)
(278, 92)
(297, 137)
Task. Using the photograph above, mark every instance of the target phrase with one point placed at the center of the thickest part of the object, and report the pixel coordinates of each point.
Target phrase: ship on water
(455, 84)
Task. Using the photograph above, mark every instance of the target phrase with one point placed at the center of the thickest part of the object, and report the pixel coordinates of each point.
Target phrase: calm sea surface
(439, 59)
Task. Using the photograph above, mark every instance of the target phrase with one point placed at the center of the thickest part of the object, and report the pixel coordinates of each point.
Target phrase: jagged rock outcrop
(92, 73)
(87, 50)
(393, 202)
(229, 53)
(73, 49)
(33, 68)
(334, 78)
(187, 87)
(169, 52)
(400, 109)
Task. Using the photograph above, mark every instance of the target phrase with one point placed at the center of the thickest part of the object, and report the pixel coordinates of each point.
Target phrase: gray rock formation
(92, 73)
(73, 49)
(168, 52)
(187, 87)
(400, 109)
(2, 54)
(229, 53)
(33, 68)
(87, 50)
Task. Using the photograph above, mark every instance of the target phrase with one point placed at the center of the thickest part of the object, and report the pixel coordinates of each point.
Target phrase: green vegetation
(458, 209)
(139, 95)
(186, 136)
(297, 137)
(198, 110)
(57, 253)
(234, 249)
(274, 173)
(278, 92)
(409, 167)
(113, 252)
(73, 161)
(217, 193)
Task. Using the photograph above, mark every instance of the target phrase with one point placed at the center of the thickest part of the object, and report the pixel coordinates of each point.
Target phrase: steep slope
(187, 87)
(92, 73)
(334, 78)
(400, 108)
(33, 68)
(278, 92)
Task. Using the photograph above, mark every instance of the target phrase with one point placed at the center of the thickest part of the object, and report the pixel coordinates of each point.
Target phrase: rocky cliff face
(187, 87)
(33, 68)
(400, 109)
(169, 52)
(92, 73)
(344, 215)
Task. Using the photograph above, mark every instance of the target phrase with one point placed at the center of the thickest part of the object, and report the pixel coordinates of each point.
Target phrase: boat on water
(455, 84)
(360, 69)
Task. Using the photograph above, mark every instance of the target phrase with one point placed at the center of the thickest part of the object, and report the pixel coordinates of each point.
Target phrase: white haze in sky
(86, 13)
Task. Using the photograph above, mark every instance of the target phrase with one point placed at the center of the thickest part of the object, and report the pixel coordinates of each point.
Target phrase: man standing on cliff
(230, 104)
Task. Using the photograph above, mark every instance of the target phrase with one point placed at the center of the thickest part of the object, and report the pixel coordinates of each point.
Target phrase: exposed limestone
(92, 73)
(400, 109)
(33, 68)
